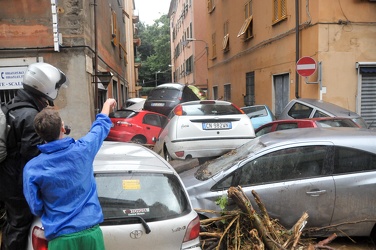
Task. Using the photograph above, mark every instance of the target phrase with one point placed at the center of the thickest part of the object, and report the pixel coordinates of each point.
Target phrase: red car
(135, 126)
(305, 123)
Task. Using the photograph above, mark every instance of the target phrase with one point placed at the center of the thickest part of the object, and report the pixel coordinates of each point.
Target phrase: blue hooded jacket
(59, 184)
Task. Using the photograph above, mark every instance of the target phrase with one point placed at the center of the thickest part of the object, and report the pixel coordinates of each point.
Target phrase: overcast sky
(150, 10)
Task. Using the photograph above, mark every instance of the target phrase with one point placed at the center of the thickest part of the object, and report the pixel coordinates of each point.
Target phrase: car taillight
(38, 240)
(178, 110)
(123, 124)
(179, 153)
(193, 230)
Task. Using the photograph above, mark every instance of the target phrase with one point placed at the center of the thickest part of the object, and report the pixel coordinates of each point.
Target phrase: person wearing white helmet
(41, 84)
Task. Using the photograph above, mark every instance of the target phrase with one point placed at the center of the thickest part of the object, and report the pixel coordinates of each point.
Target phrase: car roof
(206, 102)
(328, 107)
(179, 86)
(362, 139)
(342, 136)
(125, 156)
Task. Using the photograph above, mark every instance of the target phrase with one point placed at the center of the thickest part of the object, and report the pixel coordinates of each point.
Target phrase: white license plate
(157, 104)
(216, 125)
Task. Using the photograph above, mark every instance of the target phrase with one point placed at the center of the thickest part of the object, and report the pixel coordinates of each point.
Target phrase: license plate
(216, 125)
(157, 104)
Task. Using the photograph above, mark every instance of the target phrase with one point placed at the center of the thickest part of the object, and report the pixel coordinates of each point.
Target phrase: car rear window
(210, 109)
(164, 94)
(152, 196)
(255, 111)
(122, 114)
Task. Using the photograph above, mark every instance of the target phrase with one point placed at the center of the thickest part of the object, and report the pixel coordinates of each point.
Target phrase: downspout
(95, 60)
(297, 47)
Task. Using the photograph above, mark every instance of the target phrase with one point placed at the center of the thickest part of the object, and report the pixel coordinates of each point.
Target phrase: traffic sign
(306, 66)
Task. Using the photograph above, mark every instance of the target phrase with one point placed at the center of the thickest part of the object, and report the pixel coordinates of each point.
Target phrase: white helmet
(45, 80)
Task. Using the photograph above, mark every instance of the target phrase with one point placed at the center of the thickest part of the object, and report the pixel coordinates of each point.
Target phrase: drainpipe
(95, 60)
(297, 47)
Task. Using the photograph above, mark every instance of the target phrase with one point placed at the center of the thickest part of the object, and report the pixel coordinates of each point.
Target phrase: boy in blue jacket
(59, 183)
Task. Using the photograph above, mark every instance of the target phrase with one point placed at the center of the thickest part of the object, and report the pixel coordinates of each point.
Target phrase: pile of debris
(245, 229)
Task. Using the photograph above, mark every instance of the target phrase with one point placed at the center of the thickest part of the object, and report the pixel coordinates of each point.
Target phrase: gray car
(144, 202)
(330, 173)
(311, 108)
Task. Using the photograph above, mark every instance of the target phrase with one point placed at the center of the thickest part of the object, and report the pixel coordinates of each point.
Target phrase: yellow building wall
(336, 33)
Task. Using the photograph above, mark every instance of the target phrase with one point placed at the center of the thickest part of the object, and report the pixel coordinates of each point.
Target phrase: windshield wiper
(119, 219)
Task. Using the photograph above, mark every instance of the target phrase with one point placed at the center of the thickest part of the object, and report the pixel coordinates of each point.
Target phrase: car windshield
(122, 114)
(210, 109)
(224, 162)
(152, 196)
(164, 94)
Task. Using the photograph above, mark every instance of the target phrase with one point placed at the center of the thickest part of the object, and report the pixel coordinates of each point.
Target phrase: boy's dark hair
(47, 124)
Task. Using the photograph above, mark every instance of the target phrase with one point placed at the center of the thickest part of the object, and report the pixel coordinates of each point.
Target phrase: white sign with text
(11, 77)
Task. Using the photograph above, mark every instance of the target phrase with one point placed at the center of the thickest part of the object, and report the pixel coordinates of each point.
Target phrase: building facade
(254, 47)
(85, 39)
(189, 49)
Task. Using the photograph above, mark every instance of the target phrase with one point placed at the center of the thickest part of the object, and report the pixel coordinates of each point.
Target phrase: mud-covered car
(330, 173)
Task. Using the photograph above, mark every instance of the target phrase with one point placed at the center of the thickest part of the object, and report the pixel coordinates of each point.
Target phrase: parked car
(134, 103)
(135, 126)
(259, 114)
(203, 129)
(305, 123)
(144, 202)
(199, 92)
(330, 173)
(163, 98)
(311, 108)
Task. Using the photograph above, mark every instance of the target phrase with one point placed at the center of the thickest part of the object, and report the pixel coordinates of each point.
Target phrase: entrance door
(281, 92)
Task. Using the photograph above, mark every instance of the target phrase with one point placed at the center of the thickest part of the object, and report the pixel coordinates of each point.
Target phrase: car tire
(139, 139)
(167, 155)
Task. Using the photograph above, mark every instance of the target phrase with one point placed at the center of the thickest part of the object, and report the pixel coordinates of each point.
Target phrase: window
(189, 65)
(299, 111)
(159, 196)
(214, 46)
(211, 6)
(249, 98)
(247, 29)
(226, 42)
(279, 166)
(215, 92)
(279, 10)
(227, 92)
(349, 160)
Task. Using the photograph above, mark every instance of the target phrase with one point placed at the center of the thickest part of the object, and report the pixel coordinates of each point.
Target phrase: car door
(152, 125)
(355, 180)
(289, 181)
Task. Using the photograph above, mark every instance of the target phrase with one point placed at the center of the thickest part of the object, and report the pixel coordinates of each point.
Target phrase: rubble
(245, 229)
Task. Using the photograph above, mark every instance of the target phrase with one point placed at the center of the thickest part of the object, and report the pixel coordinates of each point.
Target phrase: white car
(144, 202)
(203, 130)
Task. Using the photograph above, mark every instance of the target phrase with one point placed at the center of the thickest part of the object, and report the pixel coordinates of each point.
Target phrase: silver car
(203, 129)
(144, 203)
(312, 108)
(330, 173)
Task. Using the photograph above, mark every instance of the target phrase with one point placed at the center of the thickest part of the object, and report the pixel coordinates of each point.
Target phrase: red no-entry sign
(306, 66)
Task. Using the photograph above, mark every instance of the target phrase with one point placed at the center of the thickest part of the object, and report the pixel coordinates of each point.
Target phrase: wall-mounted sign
(11, 77)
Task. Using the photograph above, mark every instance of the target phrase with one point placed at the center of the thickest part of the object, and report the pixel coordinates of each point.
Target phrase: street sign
(306, 66)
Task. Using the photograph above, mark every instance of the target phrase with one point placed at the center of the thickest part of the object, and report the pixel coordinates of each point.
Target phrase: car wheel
(139, 139)
(167, 155)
